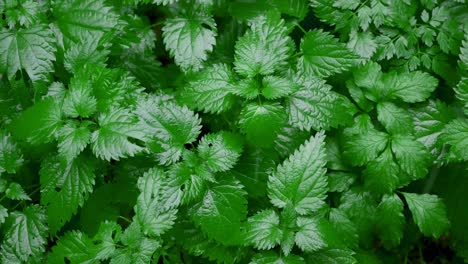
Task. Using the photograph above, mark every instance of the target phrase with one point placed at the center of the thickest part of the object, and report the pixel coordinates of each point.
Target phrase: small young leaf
(220, 151)
(16, 192)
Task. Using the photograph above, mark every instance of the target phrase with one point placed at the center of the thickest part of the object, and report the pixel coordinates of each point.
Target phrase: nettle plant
(216, 131)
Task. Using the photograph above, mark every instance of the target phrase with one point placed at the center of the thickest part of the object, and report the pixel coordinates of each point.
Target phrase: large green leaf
(429, 213)
(111, 140)
(78, 18)
(29, 49)
(221, 211)
(39, 123)
(264, 48)
(300, 180)
(323, 55)
(167, 127)
(189, 40)
(156, 206)
(65, 186)
(262, 122)
(25, 235)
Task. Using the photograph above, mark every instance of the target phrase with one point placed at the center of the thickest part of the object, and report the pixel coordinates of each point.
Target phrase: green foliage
(202, 131)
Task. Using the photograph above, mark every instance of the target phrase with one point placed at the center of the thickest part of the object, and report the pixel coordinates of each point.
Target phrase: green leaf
(344, 227)
(368, 75)
(335, 160)
(363, 44)
(11, 157)
(194, 241)
(361, 148)
(346, 4)
(137, 249)
(220, 151)
(382, 174)
(428, 213)
(456, 134)
(295, 8)
(309, 237)
(156, 206)
(411, 155)
(276, 87)
(316, 106)
(339, 181)
(16, 192)
(461, 91)
(24, 13)
(220, 212)
(191, 176)
(86, 52)
(248, 88)
(111, 140)
(412, 87)
(390, 220)
(29, 49)
(73, 139)
(25, 235)
(264, 48)
(332, 256)
(323, 55)
(39, 123)
(168, 127)
(300, 180)
(263, 230)
(396, 120)
(289, 139)
(77, 19)
(273, 258)
(429, 122)
(261, 122)
(79, 101)
(360, 206)
(253, 168)
(189, 40)
(75, 246)
(3, 214)
(65, 186)
(212, 90)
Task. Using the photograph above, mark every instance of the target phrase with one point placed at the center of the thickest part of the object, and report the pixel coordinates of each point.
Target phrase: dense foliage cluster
(233, 131)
